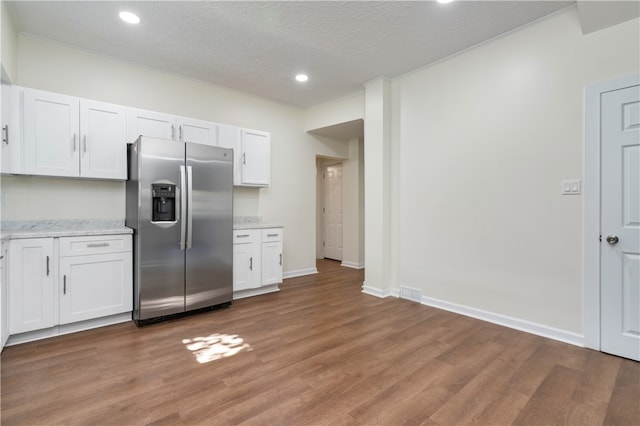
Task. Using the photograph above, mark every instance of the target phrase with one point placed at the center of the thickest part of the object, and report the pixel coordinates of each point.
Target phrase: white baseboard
(255, 291)
(59, 330)
(506, 321)
(353, 265)
(300, 272)
(503, 320)
(374, 291)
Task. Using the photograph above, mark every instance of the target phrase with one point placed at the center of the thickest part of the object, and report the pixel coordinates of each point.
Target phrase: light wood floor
(319, 352)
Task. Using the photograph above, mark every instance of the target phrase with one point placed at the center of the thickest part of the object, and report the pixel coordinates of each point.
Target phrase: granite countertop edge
(15, 234)
(62, 228)
(239, 226)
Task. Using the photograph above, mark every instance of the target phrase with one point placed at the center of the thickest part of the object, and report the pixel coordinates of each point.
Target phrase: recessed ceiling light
(302, 78)
(444, 1)
(129, 17)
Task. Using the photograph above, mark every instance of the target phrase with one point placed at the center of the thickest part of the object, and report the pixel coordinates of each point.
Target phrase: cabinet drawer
(95, 244)
(271, 234)
(241, 236)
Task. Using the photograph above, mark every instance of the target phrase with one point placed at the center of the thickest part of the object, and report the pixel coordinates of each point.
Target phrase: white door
(332, 212)
(151, 124)
(620, 223)
(104, 140)
(51, 140)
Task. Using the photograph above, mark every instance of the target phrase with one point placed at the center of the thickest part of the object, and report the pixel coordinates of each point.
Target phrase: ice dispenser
(164, 202)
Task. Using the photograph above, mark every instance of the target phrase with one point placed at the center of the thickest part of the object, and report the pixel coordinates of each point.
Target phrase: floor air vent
(410, 294)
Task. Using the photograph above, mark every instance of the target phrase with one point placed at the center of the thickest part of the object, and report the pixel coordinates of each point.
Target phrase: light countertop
(12, 230)
(237, 226)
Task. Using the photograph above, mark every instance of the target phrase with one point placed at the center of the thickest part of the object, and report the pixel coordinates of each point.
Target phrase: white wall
(353, 205)
(8, 45)
(484, 140)
(341, 110)
(290, 201)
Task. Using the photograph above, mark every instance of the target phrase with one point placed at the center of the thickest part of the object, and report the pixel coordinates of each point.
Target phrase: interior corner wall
(341, 110)
(8, 45)
(289, 201)
(353, 205)
(485, 139)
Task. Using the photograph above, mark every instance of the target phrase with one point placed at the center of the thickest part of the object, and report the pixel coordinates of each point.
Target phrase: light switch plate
(571, 187)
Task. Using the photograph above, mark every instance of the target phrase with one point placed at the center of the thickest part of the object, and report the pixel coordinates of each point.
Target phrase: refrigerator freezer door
(159, 257)
(209, 260)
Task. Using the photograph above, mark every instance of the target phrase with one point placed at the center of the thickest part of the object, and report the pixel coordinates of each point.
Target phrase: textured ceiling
(258, 47)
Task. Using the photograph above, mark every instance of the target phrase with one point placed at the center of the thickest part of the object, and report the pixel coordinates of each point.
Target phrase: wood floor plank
(319, 352)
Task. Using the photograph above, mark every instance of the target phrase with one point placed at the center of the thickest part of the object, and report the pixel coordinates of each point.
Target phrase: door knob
(612, 239)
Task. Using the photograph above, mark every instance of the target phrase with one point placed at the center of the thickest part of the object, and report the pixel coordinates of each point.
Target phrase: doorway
(332, 215)
(612, 217)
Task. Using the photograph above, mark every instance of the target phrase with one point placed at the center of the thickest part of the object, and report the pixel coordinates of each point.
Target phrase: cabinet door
(4, 296)
(256, 158)
(31, 285)
(149, 123)
(95, 286)
(245, 266)
(271, 263)
(11, 159)
(104, 142)
(51, 140)
(231, 137)
(197, 131)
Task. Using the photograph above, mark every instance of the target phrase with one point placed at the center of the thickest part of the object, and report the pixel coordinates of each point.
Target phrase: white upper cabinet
(11, 154)
(50, 134)
(104, 134)
(73, 137)
(166, 126)
(196, 131)
(251, 155)
(256, 158)
(51, 123)
(151, 124)
(231, 137)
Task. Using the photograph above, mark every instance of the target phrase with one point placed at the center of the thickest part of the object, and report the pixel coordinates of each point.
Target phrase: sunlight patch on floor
(215, 346)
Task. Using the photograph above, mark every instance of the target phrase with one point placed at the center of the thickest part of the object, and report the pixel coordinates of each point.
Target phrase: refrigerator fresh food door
(160, 289)
(209, 254)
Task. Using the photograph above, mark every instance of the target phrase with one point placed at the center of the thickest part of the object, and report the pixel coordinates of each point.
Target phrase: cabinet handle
(84, 144)
(5, 134)
(180, 132)
(242, 236)
(64, 284)
(280, 259)
(173, 131)
(244, 158)
(89, 245)
(47, 265)
(272, 235)
(251, 263)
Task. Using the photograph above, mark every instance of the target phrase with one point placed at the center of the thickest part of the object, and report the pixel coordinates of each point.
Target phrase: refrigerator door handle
(183, 207)
(189, 206)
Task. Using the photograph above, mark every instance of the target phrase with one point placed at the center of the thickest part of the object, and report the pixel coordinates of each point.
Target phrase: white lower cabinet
(59, 281)
(257, 261)
(246, 260)
(271, 256)
(95, 286)
(32, 304)
(4, 296)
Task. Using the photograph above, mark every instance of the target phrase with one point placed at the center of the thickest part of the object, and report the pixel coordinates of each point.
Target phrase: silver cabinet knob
(612, 239)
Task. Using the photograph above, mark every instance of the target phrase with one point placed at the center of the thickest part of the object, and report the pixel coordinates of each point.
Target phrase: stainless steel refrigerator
(179, 204)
